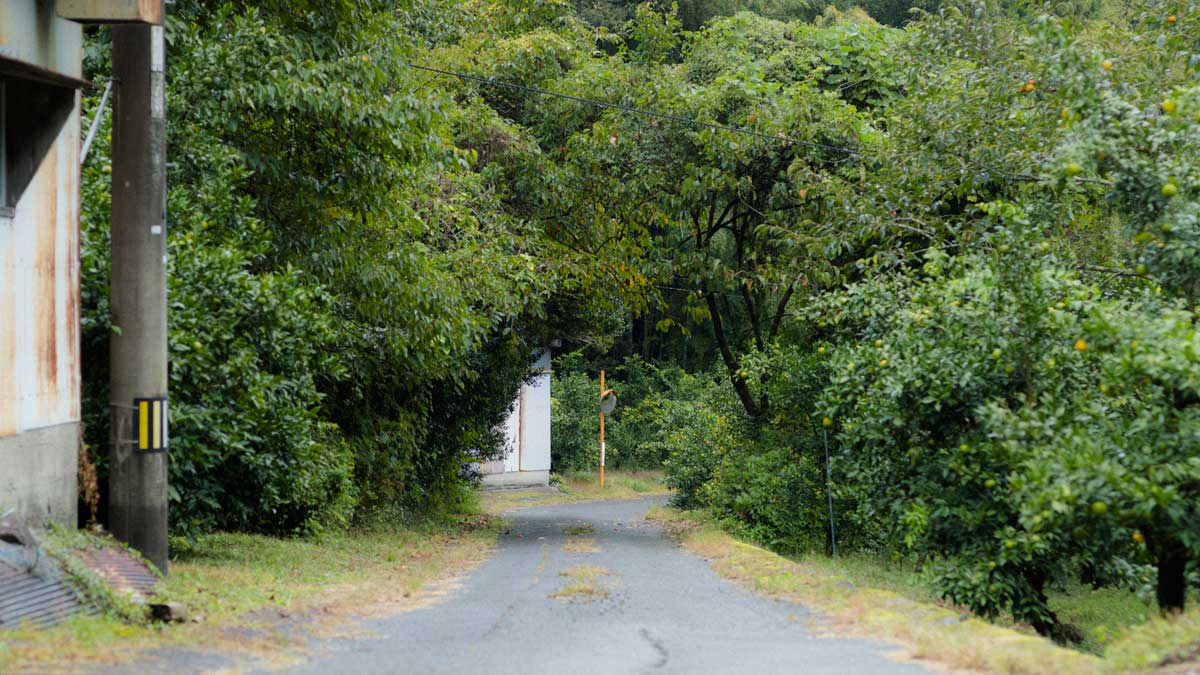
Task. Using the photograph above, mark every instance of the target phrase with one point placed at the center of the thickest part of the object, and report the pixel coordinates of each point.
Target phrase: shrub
(574, 423)
(775, 496)
(907, 402)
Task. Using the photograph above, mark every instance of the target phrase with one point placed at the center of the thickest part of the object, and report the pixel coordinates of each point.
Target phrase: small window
(34, 105)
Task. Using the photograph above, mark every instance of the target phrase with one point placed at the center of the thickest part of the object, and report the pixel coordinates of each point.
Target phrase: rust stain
(9, 406)
(72, 279)
(45, 284)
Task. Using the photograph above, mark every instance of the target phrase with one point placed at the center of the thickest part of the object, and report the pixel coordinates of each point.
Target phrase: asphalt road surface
(641, 605)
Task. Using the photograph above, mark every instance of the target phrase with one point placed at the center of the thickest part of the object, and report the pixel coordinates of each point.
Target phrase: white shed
(526, 461)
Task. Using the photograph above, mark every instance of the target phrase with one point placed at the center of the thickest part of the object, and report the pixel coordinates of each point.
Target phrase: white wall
(527, 430)
(535, 455)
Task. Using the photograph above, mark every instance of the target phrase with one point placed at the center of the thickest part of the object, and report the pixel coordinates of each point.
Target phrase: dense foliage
(933, 270)
(966, 264)
(351, 307)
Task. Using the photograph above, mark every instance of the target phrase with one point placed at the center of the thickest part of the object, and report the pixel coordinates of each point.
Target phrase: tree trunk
(1047, 623)
(727, 355)
(1172, 582)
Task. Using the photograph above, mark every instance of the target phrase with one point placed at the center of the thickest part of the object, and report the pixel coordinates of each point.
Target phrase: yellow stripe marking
(143, 422)
(156, 436)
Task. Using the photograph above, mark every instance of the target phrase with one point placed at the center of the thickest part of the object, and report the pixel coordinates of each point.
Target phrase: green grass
(901, 578)
(588, 482)
(1101, 615)
(250, 581)
(578, 486)
(1124, 631)
(1156, 643)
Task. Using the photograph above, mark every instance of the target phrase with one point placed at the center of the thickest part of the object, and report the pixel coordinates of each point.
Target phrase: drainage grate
(32, 599)
(120, 570)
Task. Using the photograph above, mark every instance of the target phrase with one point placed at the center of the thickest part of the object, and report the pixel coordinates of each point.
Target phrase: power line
(631, 109)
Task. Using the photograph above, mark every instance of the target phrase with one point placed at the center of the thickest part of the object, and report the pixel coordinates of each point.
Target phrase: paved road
(665, 612)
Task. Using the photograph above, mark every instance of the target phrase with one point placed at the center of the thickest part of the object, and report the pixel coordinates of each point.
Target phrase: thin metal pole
(829, 494)
(91, 136)
(602, 430)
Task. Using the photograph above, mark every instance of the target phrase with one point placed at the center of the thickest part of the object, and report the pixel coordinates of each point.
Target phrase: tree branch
(727, 355)
(779, 310)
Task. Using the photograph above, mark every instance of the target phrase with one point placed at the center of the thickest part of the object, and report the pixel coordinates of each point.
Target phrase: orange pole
(602, 432)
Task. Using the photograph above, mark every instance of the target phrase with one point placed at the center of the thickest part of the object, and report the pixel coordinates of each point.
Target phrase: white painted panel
(536, 456)
(42, 269)
(9, 394)
(512, 438)
(526, 430)
(31, 213)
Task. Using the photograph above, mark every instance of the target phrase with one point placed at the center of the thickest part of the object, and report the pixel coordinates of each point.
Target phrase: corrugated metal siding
(120, 570)
(29, 599)
(39, 246)
(39, 295)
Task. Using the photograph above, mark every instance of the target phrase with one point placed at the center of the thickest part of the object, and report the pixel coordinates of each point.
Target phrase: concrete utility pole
(138, 294)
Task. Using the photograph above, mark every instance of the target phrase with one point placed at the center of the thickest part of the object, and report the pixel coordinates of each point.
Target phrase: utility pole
(138, 294)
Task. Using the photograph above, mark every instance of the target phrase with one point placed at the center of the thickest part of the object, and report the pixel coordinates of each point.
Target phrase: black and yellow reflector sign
(150, 419)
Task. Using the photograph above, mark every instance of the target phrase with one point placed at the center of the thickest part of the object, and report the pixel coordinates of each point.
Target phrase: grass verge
(925, 631)
(867, 597)
(1102, 615)
(579, 486)
(258, 597)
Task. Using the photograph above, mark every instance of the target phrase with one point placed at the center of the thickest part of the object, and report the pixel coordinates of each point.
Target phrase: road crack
(657, 646)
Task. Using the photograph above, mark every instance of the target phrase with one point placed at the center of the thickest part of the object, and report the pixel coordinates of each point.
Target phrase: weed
(581, 545)
(586, 582)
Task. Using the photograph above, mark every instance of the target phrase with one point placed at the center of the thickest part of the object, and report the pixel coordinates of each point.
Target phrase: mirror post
(601, 431)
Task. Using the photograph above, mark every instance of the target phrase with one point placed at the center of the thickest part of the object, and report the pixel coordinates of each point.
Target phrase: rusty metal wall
(39, 295)
(39, 246)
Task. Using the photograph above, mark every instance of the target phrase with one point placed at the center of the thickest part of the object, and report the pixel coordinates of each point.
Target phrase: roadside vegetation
(934, 271)
(258, 598)
(866, 597)
(578, 486)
